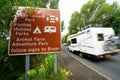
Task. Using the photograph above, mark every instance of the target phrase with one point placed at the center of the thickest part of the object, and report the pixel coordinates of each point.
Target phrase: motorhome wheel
(81, 55)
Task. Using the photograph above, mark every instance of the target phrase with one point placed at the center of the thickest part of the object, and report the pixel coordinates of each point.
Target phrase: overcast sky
(67, 7)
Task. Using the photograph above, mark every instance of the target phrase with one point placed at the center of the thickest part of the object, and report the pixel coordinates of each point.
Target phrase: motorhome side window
(73, 41)
(100, 37)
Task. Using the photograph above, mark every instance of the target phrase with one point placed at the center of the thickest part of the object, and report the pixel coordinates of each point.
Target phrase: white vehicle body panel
(87, 41)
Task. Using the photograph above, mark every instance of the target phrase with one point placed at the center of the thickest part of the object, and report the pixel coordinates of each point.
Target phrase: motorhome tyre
(81, 55)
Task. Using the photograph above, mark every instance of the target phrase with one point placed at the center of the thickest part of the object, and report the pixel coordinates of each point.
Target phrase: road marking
(90, 67)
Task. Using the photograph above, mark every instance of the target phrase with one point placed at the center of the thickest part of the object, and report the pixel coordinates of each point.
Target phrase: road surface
(109, 67)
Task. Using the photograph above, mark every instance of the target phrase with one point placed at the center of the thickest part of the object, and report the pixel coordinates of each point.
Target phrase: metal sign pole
(27, 66)
(55, 63)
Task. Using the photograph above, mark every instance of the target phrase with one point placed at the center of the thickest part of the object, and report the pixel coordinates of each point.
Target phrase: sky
(67, 7)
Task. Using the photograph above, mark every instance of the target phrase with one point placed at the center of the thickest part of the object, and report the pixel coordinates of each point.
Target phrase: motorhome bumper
(107, 55)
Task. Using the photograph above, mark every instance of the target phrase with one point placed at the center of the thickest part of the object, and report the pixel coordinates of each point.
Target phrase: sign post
(55, 63)
(27, 66)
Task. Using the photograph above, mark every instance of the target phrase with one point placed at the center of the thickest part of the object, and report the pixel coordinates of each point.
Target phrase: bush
(10, 66)
(45, 70)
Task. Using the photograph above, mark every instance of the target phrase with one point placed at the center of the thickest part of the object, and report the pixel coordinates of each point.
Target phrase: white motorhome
(94, 42)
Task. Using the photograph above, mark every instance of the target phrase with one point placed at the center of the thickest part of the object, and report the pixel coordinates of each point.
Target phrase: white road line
(91, 67)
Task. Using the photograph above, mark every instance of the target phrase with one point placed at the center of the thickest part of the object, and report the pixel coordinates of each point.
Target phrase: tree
(114, 21)
(89, 11)
(54, 4)
(62, 26)
(95, 13)
(74, 22)
(64, 38)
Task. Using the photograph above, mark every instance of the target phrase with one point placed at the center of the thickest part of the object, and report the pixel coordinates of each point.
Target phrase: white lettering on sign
(43, 49)
(24, 44)
(33, 50)
(42, 43)
(18, 50)
(39, 39)
(37, 30)
(22, 12)
(22, 34)
(51, 48)
(22, 29)
(24, 39)
(57, 18)
(38, 12)
(29, 20)
(52, 19)
(24, 25)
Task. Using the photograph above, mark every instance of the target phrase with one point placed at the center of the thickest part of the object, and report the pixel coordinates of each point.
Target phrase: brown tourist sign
(35, 31)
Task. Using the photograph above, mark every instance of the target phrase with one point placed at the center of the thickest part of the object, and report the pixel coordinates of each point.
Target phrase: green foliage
(32, 72)
(62, 26)
(75, 22)
(95, 13)
(64, 39)
(115, 22)
(3, 47)
(54, 4)
(5, 18)
(45, 70)
(10, 67)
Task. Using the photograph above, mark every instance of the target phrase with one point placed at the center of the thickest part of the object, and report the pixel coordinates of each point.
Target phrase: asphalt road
(109, 67)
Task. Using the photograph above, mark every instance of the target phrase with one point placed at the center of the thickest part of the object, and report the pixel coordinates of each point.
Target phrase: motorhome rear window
(100, 37)
(73, 41)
